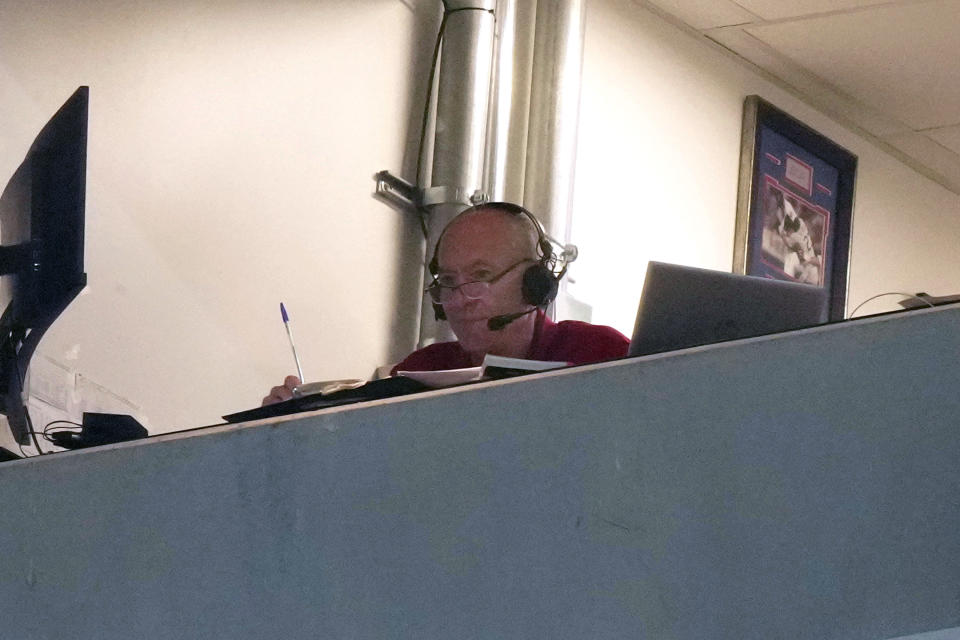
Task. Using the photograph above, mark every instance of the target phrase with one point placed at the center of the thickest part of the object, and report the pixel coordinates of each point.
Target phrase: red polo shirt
(569, 341)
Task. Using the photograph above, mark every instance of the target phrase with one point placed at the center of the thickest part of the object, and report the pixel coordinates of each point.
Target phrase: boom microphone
(497, 323)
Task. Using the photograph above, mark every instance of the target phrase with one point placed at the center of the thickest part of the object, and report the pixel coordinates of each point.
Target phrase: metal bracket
(453, 195)
(397, 192)
(400, 194)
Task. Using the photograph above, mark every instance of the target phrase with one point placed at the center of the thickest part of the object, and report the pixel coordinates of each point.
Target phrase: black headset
(540, 282)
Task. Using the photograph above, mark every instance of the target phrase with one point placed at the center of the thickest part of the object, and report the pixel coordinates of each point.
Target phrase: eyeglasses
(442, 288)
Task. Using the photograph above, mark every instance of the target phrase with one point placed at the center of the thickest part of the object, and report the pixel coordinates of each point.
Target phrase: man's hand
(285, 392)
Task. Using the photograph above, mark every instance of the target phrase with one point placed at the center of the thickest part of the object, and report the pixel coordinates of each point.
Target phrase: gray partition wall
(798, 486)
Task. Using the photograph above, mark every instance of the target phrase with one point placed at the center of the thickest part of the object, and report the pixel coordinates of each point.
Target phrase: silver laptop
(684, 307)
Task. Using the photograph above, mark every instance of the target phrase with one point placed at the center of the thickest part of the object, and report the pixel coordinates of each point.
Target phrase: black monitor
(41, 247)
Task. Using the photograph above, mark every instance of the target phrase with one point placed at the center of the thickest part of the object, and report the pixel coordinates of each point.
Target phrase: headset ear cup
(539, 286)
(438, 312)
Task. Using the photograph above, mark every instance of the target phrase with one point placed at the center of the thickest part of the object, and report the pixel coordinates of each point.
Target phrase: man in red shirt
(493, 275)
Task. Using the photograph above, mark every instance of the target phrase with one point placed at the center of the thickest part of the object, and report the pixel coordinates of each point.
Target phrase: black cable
(26, 414)
(423, 221)
(43, 434)
(70, 422)
(17, 338)
(452, 11)
(33, 434)
(889, 293)
(429, 100)
(50, 432)
(447, 12)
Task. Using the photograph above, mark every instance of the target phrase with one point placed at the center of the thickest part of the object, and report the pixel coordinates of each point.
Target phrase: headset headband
(547, 258)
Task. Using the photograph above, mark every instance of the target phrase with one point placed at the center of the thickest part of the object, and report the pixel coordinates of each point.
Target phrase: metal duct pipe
(510, 100)
(463, 95)
(554, 113)
(515, 139)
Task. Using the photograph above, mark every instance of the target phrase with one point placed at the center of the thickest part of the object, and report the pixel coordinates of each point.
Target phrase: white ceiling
(888, 68)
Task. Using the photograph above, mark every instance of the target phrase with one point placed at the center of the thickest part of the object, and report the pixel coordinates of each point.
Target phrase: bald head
(507, 228)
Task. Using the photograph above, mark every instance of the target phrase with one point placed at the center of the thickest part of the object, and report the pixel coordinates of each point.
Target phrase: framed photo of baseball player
(794, 203)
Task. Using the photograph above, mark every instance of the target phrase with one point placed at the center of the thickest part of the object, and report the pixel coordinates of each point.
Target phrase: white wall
(231, 153)
(657, 168)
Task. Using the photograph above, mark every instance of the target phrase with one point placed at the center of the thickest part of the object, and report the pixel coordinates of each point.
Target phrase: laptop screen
(684, 307)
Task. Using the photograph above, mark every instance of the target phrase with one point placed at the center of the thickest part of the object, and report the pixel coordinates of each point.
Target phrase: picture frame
(794, 203)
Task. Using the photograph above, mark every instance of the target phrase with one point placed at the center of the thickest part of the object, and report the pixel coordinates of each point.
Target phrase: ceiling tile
(898, 58)
(805, 85)
(947, 136)
(778, 9)
(705, 14)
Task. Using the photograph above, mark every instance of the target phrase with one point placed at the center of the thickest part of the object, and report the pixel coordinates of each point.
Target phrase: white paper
(444, 377)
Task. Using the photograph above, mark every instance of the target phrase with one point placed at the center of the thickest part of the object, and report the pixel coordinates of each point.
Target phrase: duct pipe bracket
(397, 192)
(434, 196)
(400, 194)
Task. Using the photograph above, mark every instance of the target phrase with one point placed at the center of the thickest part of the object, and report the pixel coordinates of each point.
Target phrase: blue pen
(286, 324)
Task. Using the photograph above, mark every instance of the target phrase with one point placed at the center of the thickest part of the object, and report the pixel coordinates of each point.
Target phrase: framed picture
(794, 203)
